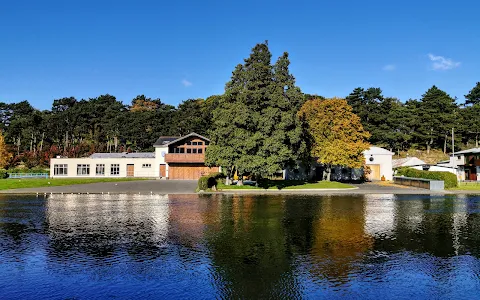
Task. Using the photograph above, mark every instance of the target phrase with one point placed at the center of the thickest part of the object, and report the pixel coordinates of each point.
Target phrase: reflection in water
(219, 246)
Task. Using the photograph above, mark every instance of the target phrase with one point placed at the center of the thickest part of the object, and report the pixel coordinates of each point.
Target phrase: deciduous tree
(337, 133)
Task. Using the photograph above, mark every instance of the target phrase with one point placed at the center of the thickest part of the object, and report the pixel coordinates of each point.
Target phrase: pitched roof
(124, 155)
(473, 150)
(407, 162)
(377, 151)
(178, 139)
(164, 140)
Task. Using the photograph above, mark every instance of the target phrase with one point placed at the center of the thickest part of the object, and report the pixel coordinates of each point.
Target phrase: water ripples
(249, 247)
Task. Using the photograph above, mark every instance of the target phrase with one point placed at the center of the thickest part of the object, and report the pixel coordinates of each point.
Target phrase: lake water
(249, 247)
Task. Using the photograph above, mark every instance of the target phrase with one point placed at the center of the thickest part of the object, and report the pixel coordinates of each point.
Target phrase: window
(146, 165)
(60, 170)
(200, 143)
(182, 150)
(83, 170)
(189, 150)
(459, 157)
(115, 169)
(194, 150)
(176, 150)
(100, 169)
(194, 143)
(189, 143)
(200, 151)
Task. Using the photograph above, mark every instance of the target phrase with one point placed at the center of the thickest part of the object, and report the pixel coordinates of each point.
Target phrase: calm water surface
(249, 247)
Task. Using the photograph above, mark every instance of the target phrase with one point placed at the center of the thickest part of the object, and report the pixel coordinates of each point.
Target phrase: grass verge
(10, 184)
(287, 185)
(467, 187)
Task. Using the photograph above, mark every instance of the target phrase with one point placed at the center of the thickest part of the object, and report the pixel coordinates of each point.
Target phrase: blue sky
(175, 50)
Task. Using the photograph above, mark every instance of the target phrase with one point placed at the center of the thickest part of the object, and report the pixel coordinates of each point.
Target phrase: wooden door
(163, 171)
(130, 170)
(374, 172)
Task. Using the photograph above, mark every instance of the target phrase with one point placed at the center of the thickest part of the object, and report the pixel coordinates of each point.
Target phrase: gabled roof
(407, 162)
(164, 140)
(468, 151)
(124, 155)
(178, 139)
(377, 151)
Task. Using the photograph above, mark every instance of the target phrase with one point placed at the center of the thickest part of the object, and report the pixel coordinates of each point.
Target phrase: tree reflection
(340, 239)
(249, 248)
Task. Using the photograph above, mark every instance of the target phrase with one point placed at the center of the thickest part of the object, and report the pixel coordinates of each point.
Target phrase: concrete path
(125, 187)
(364, 188)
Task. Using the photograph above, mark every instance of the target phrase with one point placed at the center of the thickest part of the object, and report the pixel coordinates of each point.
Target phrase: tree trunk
(445, 145)
(41, 142)
(328, 172)
(428, 148)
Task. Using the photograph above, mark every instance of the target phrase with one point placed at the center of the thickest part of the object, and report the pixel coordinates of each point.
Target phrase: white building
(379, 161)
(465, 162)
(174, 158)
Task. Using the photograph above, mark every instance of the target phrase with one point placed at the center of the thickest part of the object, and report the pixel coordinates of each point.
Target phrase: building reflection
(101, 225)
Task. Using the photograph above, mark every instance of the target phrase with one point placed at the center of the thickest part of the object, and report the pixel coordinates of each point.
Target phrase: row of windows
(188, 150)
(84, 169)
(197, 143)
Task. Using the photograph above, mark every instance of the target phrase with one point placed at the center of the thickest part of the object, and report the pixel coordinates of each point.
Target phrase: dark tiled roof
(124, 155)
(164, 140)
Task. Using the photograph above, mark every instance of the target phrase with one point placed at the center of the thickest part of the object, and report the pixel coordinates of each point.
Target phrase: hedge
(32, 170)
(449, 179)
(206, 182)
(3, 174)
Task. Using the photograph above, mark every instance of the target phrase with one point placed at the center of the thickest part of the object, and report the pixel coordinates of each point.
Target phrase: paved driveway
(130, 187)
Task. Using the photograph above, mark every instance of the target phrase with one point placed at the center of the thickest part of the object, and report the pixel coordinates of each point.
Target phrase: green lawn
(7, 184)
(467, 187)
(288, 185)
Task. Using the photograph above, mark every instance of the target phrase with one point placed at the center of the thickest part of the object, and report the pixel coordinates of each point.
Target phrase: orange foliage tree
(4, 154)
(338, 137)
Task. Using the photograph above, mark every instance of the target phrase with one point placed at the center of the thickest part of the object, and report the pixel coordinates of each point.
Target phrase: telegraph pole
(453, 153)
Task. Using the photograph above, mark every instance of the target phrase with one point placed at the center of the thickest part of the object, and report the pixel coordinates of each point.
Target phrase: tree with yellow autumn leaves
(4, 154)
(337, 135)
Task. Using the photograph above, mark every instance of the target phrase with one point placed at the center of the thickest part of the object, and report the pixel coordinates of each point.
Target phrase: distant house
(466, 163)
(378, 160)
(174, 158)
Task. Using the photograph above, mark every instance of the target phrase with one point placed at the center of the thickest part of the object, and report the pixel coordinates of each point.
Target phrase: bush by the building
(207, 182)
(449, 179)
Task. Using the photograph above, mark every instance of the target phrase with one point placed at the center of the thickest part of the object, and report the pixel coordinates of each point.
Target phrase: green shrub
(206, 182)
(449, 179)
(29, 171)
(3, 174)
(217, 175)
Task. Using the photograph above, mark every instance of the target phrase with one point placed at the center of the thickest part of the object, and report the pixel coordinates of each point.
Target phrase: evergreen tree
(436, 113)
(473, 97)
(255, 129)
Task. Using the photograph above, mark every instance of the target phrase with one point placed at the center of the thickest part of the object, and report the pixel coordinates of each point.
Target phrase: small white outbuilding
(379, 161)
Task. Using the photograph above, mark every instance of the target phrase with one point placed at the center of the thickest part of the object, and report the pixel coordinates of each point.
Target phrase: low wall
(429, 184)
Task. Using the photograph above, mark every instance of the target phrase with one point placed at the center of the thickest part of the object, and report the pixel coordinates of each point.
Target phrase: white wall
(385, 162)
(160, 159)
(139, 171)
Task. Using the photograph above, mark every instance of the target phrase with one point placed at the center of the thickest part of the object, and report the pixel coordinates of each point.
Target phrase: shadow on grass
(281, 184)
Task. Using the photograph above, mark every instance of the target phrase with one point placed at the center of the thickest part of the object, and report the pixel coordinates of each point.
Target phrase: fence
(428, 184)
(28, 175)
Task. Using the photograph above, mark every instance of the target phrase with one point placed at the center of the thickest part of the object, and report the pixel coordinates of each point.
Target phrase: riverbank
(147, 187)
(8, 184)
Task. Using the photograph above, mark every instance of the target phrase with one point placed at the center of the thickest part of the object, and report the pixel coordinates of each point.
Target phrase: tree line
(256, 122)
